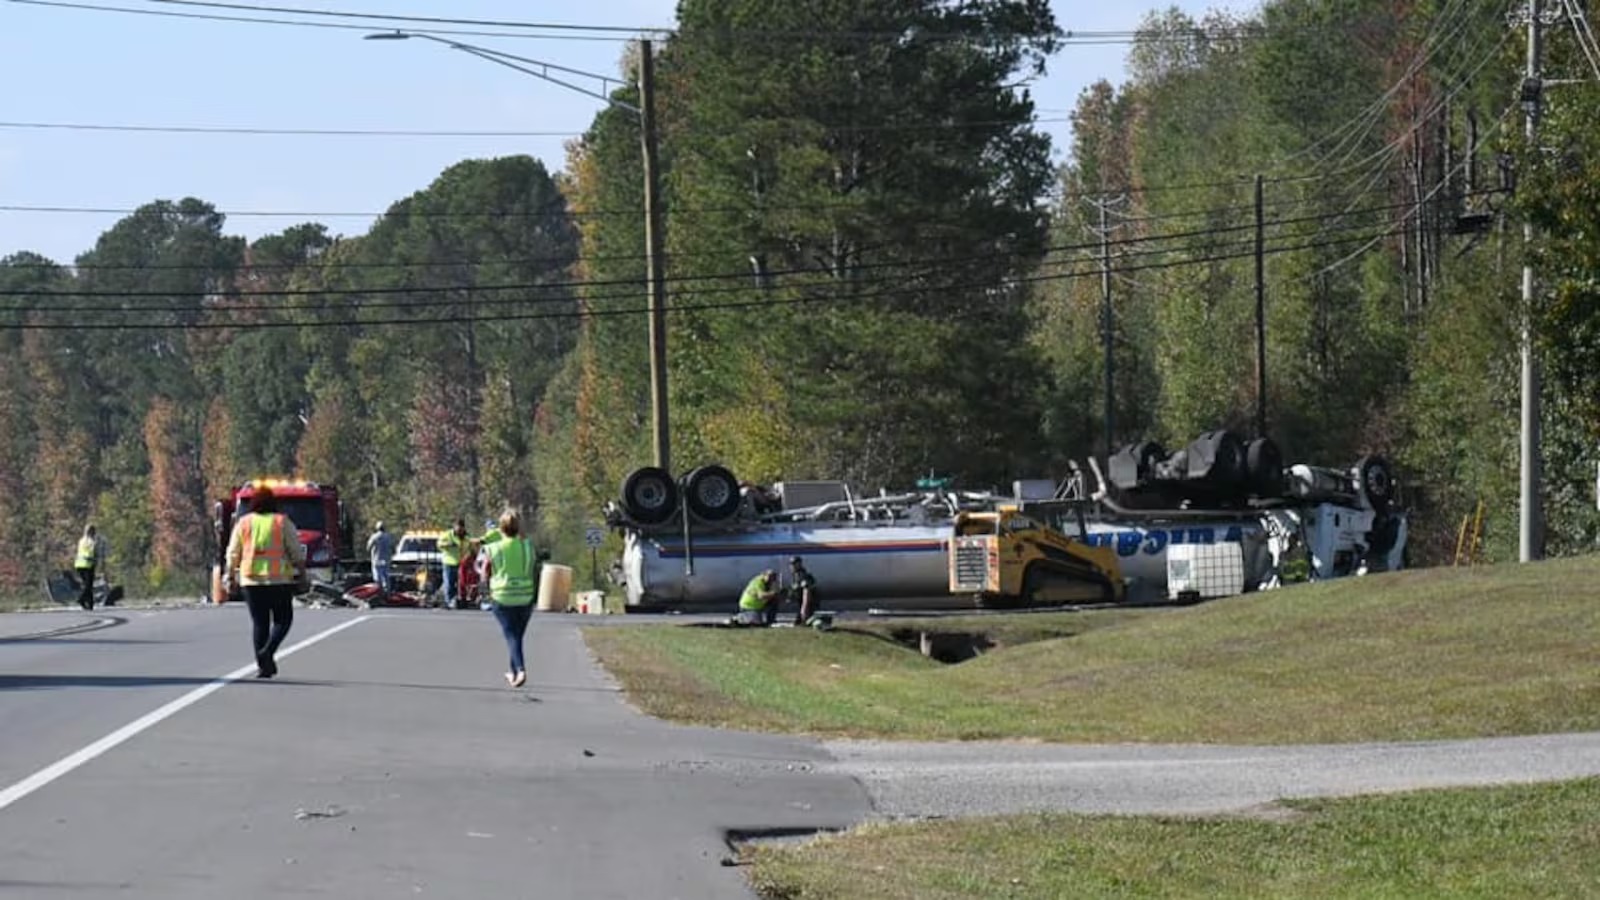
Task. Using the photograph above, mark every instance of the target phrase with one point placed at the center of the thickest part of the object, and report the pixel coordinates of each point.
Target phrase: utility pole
(1530, 538)
(1106, 327)
(654, 263)
(1261, 310)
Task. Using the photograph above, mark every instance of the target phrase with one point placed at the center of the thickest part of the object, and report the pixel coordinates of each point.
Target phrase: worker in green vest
(91, 552)
(453, 547)
(513, 579)
(758, 605)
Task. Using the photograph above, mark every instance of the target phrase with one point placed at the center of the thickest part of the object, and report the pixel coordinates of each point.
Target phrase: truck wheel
(1149, 454)
(649, 495)
(1263, 463)
(712, 493)
(1217, 457)
(1376, 482)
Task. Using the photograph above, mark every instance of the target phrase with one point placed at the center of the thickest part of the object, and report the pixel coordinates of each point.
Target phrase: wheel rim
(713, 493)
(651, 494)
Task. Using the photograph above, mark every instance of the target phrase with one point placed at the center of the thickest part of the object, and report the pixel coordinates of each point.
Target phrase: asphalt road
(389, 759)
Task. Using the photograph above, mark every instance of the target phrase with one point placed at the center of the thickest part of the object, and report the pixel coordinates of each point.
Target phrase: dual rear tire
(651, 496)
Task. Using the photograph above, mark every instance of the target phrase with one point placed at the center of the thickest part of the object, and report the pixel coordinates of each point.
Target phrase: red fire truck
(315, 509)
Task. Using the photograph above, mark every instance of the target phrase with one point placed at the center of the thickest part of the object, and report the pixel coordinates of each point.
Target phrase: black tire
(649, 495)
(1375, 479)
(1134, 466)
(712, 493)
(1263, 463)
(1217, 457)
(1149, 453)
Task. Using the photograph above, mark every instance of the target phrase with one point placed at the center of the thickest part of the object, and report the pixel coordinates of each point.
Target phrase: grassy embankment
(1410, 655)
(1414, 655)
(1504, 842)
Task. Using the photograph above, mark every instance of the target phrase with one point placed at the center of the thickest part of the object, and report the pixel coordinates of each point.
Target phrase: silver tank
(1142, 547)
(851, 562)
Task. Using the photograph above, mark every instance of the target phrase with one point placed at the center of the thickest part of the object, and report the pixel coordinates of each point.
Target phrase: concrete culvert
(944, 646)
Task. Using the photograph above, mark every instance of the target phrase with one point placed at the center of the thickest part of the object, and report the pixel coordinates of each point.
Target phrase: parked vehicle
(416, 564)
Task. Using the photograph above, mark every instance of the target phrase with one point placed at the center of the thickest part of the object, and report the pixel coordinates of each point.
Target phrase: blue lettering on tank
(1155, 541)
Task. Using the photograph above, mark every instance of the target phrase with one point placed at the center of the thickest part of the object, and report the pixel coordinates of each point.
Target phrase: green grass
(1504, 842)
(1411, 655)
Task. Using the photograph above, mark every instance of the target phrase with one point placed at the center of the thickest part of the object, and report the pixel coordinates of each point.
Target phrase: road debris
(331, 812)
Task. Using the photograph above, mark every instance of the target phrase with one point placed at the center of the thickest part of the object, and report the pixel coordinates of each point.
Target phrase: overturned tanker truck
(694, 541)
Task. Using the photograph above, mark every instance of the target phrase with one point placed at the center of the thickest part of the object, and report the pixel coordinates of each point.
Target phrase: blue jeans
(449, 583)
(514, 624)
(380, 576)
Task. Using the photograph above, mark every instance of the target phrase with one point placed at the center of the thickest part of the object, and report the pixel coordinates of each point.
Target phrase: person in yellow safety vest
(265, 558)
(758, 605)
(453, 546)
(513, 566)
(91, 552)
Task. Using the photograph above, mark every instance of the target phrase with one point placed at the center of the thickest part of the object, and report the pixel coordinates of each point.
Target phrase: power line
(720, 276)
(337, 26)
(1373, 112)
(255, 130)
(1076, 37)
(250, 130)
(580, 214)
(428, 20)
(356, 297)
(246, 269)
(676, 308)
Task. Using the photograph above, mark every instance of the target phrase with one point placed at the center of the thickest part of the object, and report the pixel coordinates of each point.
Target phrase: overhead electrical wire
(357, 298)
(1416, 206)
(1373, 112)
(426, 20)
(557, 213)
(677, 308)
(245, 269)
(1077, 37)
(337, 26)
(249, 130)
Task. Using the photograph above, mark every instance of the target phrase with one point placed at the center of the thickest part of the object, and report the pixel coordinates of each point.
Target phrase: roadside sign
(593, 536)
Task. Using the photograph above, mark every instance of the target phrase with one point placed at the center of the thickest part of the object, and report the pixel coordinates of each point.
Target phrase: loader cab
(1018, 524)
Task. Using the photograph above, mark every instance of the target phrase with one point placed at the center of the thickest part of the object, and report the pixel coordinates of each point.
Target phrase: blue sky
(62, 65)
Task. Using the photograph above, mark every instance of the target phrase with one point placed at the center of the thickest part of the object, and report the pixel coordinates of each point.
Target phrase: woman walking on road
(512, 582)
(265, 558)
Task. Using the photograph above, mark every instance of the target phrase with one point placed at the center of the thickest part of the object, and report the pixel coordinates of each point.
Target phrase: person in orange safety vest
(266, 559)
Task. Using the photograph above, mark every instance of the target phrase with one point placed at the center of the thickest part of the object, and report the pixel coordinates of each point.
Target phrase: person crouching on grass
(512, 582)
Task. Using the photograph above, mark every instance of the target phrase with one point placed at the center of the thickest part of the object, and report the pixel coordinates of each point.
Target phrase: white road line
(66, 764)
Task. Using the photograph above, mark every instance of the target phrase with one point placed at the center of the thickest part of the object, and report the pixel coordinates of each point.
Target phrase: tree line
(875, 270)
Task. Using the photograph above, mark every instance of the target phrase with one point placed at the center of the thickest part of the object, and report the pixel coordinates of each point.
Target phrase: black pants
(86, 593)
(808, 607)
(271, 614)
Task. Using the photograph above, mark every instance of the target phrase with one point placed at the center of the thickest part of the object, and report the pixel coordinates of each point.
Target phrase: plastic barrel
(555, 588)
